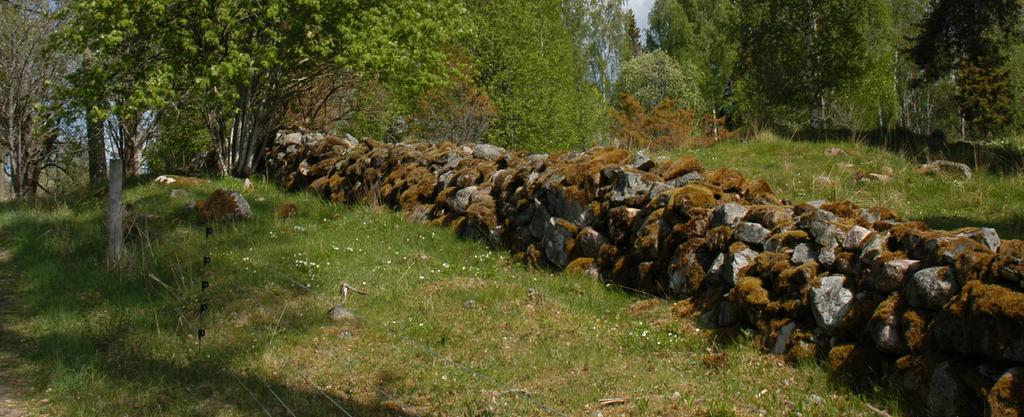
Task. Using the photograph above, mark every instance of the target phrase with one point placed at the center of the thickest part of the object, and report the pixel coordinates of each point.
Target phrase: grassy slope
(791, 167)
(99, 344)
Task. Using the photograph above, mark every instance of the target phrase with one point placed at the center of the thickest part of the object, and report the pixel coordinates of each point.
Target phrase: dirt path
(10, 388)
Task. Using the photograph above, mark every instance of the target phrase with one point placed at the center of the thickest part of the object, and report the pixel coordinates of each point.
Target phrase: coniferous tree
(798, 54)
(971, 41)
(528, 63)
(633, 31)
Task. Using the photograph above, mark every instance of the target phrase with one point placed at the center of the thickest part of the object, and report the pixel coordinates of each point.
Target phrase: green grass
(449, 326)
(791, 168)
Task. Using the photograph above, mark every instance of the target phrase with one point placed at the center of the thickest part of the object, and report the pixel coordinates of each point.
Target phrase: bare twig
(611, 401)
(877, 410)
(345, 288)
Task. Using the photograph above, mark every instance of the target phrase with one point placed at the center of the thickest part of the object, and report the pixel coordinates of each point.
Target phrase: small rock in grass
(341, 314)
(223, 205)
(287, 210)
(836, 152)
(958, 170)
(179, 193)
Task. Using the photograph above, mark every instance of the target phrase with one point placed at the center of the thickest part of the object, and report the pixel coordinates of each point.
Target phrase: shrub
(664, 126)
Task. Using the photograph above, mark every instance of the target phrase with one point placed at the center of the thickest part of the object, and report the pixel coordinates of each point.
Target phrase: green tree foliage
(655, 76)
(699, 33)
(180, 134)
(246, 60)
(460, 111)
(528, 64)
(972, 41)
(1015, 64)
(796, 54)
(871, 100)
(600, 32)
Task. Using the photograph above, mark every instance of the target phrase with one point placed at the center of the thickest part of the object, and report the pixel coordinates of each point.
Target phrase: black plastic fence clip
(209, 231)
(203, 307)
(202, 332)
(206, 284)
(206, 259)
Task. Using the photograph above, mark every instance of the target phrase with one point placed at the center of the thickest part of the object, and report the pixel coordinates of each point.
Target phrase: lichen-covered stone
(752, 233)
(830, 302)
(891, 275)
(984, 319)
(223, 205)
(589, 242)
(1006, 397)
(937, 385)
(932, 287)
(728, 214)
(735, 264)
(558, 241)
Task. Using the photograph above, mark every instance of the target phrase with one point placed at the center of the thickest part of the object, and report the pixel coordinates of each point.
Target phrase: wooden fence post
(115, 215)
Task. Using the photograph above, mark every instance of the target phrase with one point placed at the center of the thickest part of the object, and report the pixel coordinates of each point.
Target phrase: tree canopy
(246, 59)
(655, 76)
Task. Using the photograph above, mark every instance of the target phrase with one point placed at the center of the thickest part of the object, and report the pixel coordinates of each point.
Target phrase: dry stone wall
(940, 313)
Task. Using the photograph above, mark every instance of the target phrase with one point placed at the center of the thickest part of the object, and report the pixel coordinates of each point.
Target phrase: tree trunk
(97, 148)
(816, 101)
(131, 155)
(242, 138)
(24, 172)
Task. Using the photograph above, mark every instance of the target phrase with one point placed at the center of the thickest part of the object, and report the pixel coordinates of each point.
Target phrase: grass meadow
(446, 327)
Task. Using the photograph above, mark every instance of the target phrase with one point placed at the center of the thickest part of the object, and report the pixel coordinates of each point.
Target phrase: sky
(640, 9)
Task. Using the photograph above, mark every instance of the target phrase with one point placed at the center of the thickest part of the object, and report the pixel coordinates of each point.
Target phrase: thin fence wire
(204, 302)
(330, 398)
(251, 394)
(279, 400)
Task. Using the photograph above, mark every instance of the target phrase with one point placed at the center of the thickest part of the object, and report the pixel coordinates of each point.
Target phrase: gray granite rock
(751, 233)
(830, 302)
(728, 214)
(932, 288)
(487, 151)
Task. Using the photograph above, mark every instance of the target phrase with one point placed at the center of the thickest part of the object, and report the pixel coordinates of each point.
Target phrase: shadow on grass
(994, 159)
(74, 331)
(1009, 227)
